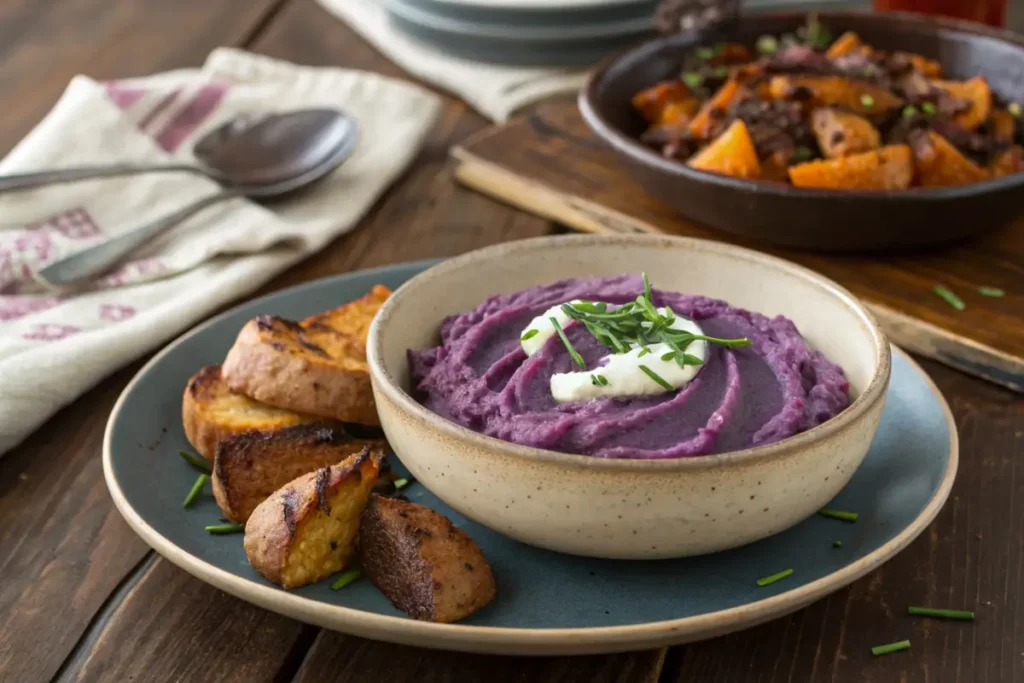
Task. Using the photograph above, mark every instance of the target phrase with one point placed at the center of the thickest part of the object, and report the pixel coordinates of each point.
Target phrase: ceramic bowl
(628, 508)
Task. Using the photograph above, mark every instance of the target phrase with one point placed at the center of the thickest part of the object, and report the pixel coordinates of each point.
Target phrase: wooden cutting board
(549, 164)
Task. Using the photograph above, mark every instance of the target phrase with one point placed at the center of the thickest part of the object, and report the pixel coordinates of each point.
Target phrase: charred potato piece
(732, 153)
(836, 91)
(249, 467)
(841, 134)
(317, 367)
(307, 529)
(977, 93)
(1004, 126)
(717, 105)
(667, 103)
(422, 563)
(212, 412)
(929, 67)
(1008, 161)
(940, 164)
(887, 168)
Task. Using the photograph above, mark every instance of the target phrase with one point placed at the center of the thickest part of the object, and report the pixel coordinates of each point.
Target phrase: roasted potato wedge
(732, 153)
(667, 103)
(316, 367)
(307, 529)
(940, 164)
(837, 91)
(1008, 161)
(977, 93)
(422, 563)
(212, 412)
(249, 467)
(841, 133)
(846, 44)
(720, 102)
(929, 67)
(1004, 126)
(887, 168)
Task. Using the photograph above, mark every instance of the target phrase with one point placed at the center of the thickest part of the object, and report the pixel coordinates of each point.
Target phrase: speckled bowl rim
(518, 641)
(874, 391)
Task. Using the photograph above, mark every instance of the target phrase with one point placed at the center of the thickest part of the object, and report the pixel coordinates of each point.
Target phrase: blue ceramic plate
(547, 603)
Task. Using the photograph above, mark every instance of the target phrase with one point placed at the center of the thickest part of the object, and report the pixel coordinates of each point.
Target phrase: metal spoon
(271, 158)
(246, 149)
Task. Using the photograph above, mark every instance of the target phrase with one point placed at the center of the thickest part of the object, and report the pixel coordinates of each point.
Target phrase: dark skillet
(833, 220)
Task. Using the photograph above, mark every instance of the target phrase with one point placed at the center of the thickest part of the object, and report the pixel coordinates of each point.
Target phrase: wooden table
(83, 599)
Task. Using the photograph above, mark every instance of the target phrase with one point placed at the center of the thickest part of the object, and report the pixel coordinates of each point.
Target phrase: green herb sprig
(637, 323)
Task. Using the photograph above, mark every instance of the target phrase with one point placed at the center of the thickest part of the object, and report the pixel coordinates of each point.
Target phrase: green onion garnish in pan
(993, 292)
(950, 297)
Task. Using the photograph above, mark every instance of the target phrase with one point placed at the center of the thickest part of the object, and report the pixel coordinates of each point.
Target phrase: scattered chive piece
(196, 461)
(644, 352)
(803, 154)
(601, 380)
(928, 108)
(593, 380)
(963, 615)
(530, 334)
(656, 377)
(867, 100)
(669, 356)
(693, 79)
(769, 580)
(1014, 108)
(704, 52)
(890, 648)
(221, 529)
(197, 488)
(346, 578)
(949, 297)
(837, 544)
(577, 358)
(839, 514)
(401, 483)
(909, 112)
(720, 72)
(993, 292)
(767, 45)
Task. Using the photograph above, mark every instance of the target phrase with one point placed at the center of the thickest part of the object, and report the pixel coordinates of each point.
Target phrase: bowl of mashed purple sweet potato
(628, 397)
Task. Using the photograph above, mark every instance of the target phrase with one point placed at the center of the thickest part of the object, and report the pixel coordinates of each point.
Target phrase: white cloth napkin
(494, 91)
(53, 348)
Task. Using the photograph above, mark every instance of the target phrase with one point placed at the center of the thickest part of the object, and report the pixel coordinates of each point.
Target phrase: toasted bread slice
(212, 412)
(422, 563)
(307, 529)
(317, 366)
(249, 467)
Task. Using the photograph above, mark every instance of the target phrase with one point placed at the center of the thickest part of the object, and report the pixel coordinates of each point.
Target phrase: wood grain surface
(549, 164)
(82, 598)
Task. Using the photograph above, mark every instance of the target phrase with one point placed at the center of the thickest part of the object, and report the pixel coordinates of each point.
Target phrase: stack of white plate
(526, 32)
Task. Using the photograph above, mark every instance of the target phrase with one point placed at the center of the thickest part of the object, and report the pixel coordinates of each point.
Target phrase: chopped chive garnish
(993, 292)
(197, 488)
(577, 358)
(602, 380)
(593, 380)
(720, 72)
(890, 648)
(909, 112)
(196, 461)
(837, 544)
(221, 529)
(669, 356)
(656, 377)
(643, 352)
(1014, 108)
(839, 514)
(530, 334)
(704, 52)
(769, 580)
(802, 153)
(693, 79)
(928, 108)
(648, 290)
(950, 297)
(346, 578)
(401, 483)
(867, 100)
(960, 614)
(767, 45)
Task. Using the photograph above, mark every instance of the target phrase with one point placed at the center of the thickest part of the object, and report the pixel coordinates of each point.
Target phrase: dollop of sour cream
(617, 374)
